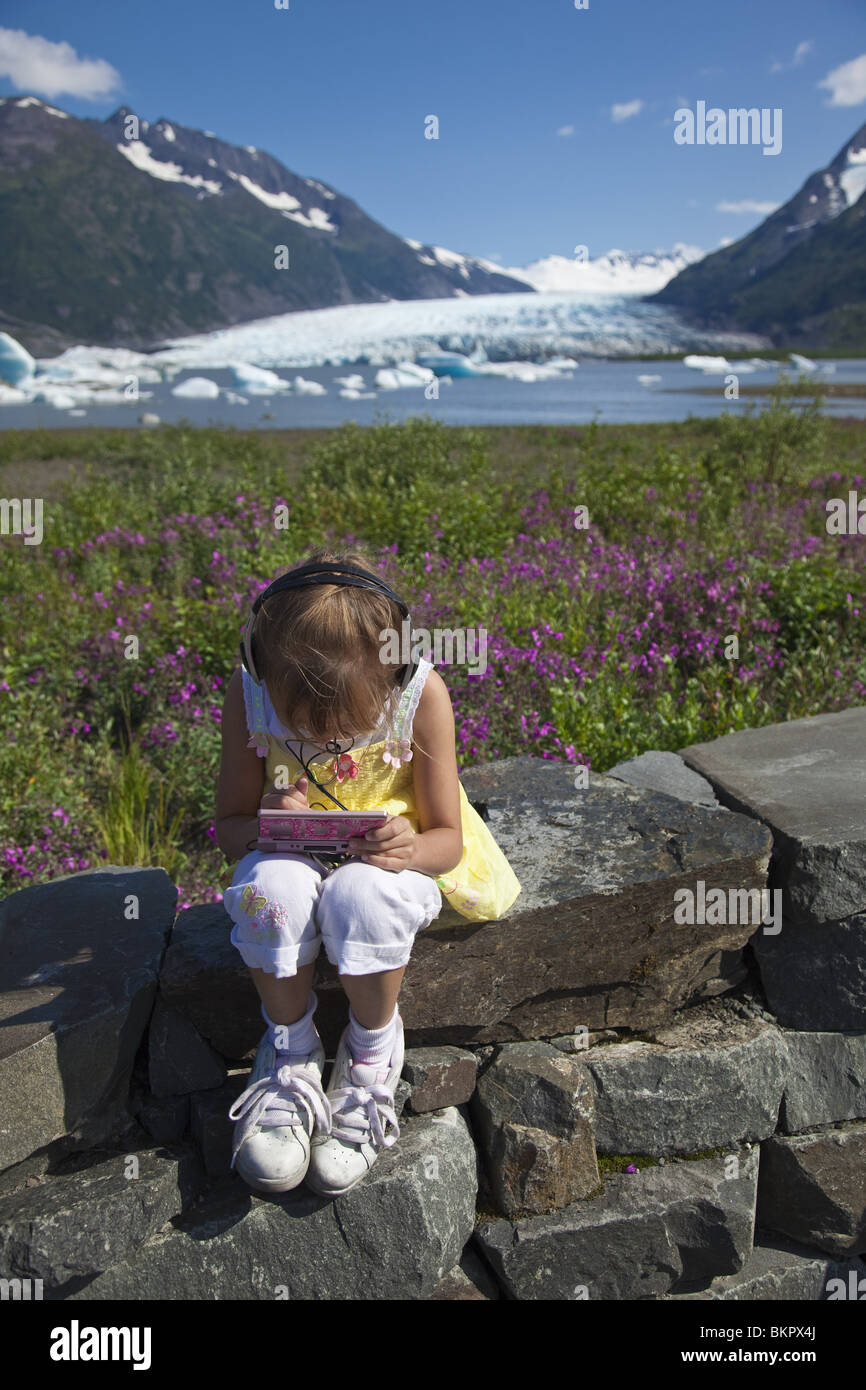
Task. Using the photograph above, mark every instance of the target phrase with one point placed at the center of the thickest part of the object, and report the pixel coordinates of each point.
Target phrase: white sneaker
(361, 1098)
(271, 1149)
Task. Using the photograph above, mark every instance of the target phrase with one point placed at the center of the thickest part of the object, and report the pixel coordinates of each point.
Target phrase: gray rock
(581, 1042)
(804, 779)
(815, 977)
(705, 1081)
(212, 1130)
(825, 1080)
(439, 1077)
(394, 1236)
(204, 978)
(180, 1060)
(665, 772)
(468, 1281)
(645, 1234)
(589, 941)
(77, 986)
(812, 1188)
(777, 1270)
(166, 1120)
(82, 1223)
(532, 1113)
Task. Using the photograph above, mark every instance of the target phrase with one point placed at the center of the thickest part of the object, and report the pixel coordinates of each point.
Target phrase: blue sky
(555, 124)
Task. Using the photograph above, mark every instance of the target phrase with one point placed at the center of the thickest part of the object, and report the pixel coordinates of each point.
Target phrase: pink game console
(325, 831)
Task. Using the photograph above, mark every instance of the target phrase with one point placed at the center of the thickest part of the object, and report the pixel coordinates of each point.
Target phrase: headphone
(325, 572)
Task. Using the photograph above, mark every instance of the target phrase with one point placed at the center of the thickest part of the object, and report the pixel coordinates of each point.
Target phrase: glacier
(528, 337)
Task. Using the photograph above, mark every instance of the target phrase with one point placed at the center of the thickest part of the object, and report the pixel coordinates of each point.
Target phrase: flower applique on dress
(267, 918)
(397, 751)
(345, 766)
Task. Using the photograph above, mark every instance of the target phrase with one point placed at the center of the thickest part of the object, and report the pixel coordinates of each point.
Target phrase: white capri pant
(284, 905)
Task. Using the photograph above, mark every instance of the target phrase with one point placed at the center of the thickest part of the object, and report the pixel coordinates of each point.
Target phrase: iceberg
(803, 364)
(707, 364)
(309, 388)
(197, 388)
(451, 364)
(13, 395)
(258, 381)
(646, 379)
(16, 364)
(403, 375)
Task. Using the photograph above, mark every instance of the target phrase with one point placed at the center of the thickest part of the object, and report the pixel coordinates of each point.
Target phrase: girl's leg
(373, 997)
(285, 1000)
(369, 918)
(272, 902)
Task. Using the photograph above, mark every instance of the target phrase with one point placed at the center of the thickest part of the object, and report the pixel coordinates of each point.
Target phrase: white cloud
(621, 111)
(565, 130)
(847, 83)
(726, 241)
(50, 69)
(799, 54)
(747, 205)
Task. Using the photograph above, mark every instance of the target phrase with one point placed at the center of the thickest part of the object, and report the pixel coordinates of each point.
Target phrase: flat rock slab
(590, 941)
(815, 976)
(645, 1234)
(778, 1270)
(813, 1188)
(77, 983)
(804, 779)
(704, 1081)
(81, 1223)
(825, 1080)
(665, 772)
(393, 1236)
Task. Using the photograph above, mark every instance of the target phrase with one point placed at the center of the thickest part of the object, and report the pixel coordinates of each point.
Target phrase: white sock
(297, 1039)
(372, 1046)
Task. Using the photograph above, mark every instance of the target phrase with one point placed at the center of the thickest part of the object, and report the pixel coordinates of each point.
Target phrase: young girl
(325, 691)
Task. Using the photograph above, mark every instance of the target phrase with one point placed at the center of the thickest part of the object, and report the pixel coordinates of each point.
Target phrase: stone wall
(605, 1095)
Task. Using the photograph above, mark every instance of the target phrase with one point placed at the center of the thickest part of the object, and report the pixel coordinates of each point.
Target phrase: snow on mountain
(616, 272)
(466, 266)
(852, 179)
(34, 101)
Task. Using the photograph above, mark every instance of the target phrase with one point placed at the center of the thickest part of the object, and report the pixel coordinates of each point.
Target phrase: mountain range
(799, 277)
(128, 241)
(122, 233)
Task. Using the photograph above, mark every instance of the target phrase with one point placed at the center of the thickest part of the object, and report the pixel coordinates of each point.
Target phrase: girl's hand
(394, 841)
(285, 799)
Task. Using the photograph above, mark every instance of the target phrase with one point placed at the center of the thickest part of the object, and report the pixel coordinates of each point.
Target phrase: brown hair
(317, 650)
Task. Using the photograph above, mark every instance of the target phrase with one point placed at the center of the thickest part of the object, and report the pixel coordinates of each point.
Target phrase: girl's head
(317, 650)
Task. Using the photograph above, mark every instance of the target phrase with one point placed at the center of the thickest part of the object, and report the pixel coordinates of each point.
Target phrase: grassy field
(120, 630)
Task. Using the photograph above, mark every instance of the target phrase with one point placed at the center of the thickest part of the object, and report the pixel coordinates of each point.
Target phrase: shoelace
(359, 1107)
(271, 1102)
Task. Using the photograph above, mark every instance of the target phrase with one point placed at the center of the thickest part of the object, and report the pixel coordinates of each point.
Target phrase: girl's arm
(241, 779)
(439, 846)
